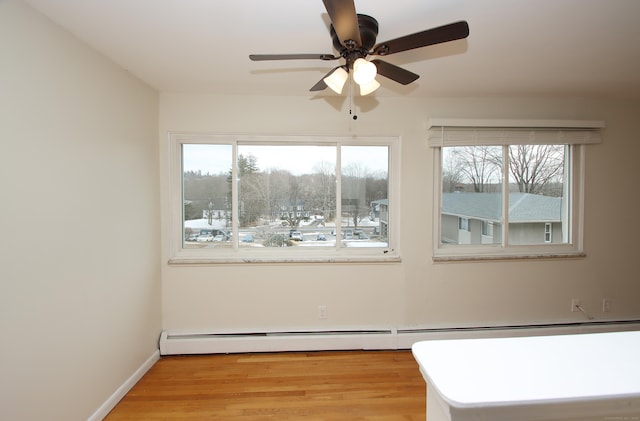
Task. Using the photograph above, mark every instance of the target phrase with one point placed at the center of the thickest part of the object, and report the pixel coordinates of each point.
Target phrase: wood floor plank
(344, 385)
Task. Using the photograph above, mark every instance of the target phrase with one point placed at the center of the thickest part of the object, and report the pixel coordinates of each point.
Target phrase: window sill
(505, 257)
(179, 261)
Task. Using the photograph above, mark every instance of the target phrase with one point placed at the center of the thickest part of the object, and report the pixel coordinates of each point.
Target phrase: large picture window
(516, 185)
(239, 198)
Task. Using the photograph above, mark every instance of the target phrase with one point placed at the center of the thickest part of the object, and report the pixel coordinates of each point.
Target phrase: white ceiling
(578, 48)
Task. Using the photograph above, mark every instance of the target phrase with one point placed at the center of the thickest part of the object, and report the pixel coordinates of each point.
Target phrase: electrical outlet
(606, 305)
(575, 303)
(322, 312)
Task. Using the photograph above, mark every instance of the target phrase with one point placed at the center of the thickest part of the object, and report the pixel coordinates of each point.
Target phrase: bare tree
(451, 176)
(285, 196)
(354, 178)
(275, 192)
(251, 201)
(251, 198)
(295, 204)
(200, 190)
(376, 187)
(535, 167)
(478, 165)
(324, 190)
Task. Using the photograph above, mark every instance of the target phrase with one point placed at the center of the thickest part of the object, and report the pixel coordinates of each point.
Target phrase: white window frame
(460, 132)
(180, 255)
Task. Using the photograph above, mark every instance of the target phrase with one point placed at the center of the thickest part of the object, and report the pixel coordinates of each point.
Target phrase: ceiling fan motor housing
(368, 27)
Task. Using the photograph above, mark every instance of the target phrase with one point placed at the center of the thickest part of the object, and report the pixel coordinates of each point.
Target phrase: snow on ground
(309, 234)
(222, 225)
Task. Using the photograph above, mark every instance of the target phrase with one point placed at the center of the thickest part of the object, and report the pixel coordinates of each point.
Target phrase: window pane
(537, 194)
(365, 200)
(471, 195)
(241, 199)
(286, 195)
(206, 191)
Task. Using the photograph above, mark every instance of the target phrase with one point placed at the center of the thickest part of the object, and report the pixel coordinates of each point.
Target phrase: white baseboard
(113, 400)
(407, 338)
(225, 343)
(220, 342)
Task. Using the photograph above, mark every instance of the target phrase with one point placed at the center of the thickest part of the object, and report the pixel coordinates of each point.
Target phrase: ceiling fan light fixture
(364, 71)
(367, 88)
(337, 79)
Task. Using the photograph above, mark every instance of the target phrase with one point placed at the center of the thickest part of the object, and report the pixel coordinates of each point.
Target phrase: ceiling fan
(354, 37)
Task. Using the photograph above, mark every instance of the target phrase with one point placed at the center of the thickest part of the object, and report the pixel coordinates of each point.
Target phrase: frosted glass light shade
(367, 88)
(364, 71)
(336, 80)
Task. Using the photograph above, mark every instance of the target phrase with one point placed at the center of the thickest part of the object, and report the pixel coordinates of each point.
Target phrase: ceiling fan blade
(263, 57)
(445, 33)
(344, 20)
(321, 85)
(394, 72)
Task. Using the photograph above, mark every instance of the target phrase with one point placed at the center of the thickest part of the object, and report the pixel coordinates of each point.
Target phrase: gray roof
(523, 207)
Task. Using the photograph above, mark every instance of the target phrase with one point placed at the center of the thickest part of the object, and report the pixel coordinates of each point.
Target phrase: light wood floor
(349, 385)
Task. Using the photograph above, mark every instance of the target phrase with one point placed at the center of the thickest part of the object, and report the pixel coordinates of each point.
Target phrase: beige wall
(84, 222)
(415, 292)
(79, 220)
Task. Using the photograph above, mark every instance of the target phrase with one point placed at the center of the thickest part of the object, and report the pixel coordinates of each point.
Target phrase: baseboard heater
(182, 343)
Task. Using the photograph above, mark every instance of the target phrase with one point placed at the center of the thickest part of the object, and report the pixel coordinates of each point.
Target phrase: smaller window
(487, 228)
(512, 180)
(547, 232)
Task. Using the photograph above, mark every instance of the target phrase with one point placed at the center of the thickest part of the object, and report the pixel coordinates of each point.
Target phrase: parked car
(247, 238)
(321, 237)
(205, 238)
(296, 235)
(219, 237)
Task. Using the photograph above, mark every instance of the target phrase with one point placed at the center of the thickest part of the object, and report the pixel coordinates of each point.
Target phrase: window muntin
(277, 198)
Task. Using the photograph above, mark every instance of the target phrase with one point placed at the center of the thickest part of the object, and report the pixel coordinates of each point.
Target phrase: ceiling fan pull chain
(350, 94)
(351, 102)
